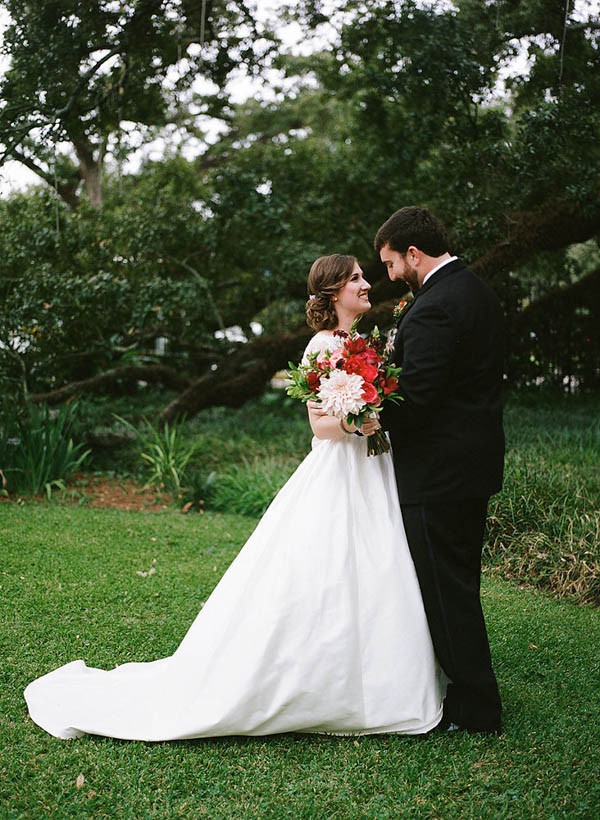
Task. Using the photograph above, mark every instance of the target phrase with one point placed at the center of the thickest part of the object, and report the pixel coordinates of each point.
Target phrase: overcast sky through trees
(15, 176)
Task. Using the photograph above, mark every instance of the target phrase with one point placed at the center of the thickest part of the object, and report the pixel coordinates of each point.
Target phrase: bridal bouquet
(351, 381)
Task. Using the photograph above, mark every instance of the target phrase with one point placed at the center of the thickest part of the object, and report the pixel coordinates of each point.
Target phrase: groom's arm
(429, 338)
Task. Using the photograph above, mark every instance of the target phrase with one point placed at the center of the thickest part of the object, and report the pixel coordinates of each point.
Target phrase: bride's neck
(345, 323)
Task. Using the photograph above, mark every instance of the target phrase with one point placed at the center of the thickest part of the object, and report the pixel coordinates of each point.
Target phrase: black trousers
(446, 540)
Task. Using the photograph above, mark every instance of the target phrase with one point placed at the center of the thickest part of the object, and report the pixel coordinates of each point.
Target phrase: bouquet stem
(377, 444)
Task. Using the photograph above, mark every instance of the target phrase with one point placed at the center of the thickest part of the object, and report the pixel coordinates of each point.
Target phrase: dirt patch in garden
(108, 492)
(115, 493)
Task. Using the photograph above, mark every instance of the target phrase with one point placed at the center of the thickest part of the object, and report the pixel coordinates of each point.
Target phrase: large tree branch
(245, 373)
(586, 292)
(154, 373)
(67, 193)
(555, 227)
(240, 377)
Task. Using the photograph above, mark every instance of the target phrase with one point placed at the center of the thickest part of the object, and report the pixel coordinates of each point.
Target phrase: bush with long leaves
(165, 453)
(43, 453)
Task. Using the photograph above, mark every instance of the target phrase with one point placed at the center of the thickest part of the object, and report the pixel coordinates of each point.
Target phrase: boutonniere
(401, 309)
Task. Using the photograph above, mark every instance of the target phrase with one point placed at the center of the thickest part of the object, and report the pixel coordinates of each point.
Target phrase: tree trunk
(90, 168)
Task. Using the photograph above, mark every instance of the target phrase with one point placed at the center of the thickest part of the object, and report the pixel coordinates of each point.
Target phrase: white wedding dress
(317, 626)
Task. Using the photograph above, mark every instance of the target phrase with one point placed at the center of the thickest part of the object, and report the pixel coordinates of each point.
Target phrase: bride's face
(353, 298)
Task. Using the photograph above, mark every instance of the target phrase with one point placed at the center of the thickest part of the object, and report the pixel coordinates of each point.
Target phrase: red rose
(369, 372)
(359, 364)
(370, 394)
(372, 356)
(352, 364)
(357, 345)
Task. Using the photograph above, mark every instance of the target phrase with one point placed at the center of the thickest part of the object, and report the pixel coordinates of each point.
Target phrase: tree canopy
(97, 75)
(412, 103)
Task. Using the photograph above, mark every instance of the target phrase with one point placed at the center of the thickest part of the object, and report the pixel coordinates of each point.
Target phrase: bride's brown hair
(328, 274)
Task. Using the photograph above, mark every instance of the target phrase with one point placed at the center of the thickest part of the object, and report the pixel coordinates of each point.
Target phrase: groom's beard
(411, 278)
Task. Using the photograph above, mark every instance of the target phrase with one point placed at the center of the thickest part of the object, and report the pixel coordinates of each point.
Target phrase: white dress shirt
(437, 267)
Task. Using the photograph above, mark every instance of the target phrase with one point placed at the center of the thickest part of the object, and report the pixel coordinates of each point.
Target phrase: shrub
(249, 488)
(39, 453)
(544, 528)
(165, 452)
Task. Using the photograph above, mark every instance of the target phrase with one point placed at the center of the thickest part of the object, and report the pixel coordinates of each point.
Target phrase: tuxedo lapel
(443, 273)
(447, 270)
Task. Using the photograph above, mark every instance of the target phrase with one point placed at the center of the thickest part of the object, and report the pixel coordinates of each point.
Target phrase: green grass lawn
(70, 589)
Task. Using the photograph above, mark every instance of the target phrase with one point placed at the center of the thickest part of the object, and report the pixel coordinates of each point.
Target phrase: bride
(318, 624)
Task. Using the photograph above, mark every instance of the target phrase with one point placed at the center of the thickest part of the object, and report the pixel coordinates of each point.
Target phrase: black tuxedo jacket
(447, 434)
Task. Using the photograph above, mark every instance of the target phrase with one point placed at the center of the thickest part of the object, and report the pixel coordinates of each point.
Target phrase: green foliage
(498, 147)
(76, 77)
(200, 487)
(184, 248)
(271, 425)
(165, 453)
(39, 454)
(242, 459)
(95, 293)
(249, 487)
(70, 589)
(298, 387)
(544, 528)
(558, 345)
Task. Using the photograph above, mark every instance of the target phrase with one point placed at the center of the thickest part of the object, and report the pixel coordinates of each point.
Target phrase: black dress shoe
(474, 730)
(488, 730)
(446, 724)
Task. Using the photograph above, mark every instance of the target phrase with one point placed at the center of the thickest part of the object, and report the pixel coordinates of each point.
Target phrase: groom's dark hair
(413, 226)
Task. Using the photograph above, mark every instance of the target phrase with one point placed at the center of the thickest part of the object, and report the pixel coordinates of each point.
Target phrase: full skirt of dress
(317, 626)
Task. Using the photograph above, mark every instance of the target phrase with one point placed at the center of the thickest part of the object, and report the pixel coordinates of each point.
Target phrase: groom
(448, 445)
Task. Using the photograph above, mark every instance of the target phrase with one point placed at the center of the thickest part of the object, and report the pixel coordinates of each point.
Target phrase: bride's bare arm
(330, 427)
(326, 427)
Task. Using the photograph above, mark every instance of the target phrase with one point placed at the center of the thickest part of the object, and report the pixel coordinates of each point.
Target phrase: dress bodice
(324, 341)
(320, 342)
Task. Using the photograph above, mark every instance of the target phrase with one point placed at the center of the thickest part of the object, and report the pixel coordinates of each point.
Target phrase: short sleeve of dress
(319, 343)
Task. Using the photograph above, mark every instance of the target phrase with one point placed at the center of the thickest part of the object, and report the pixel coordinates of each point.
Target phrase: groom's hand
(370, 426)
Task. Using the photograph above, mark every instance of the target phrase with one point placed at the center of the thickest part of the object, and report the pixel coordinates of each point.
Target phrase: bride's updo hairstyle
(328, 274)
